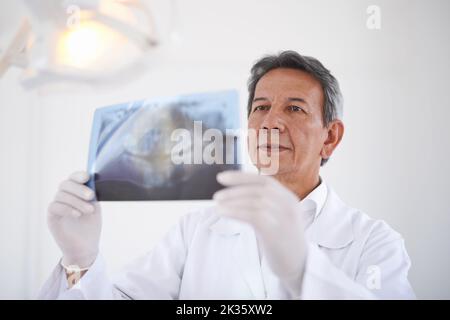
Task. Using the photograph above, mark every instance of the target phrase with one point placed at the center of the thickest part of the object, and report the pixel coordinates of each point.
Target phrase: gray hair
(333, 100)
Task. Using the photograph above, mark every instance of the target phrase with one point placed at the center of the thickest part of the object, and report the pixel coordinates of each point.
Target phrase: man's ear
(335, 132)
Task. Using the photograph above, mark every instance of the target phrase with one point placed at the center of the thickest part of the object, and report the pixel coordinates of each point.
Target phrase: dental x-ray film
(164, 148)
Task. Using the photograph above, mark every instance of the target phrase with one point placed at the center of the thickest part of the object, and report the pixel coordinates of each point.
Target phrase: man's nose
(273, 120)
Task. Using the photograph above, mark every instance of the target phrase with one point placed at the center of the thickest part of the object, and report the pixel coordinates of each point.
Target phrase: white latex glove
(273, 211)
(75, 221)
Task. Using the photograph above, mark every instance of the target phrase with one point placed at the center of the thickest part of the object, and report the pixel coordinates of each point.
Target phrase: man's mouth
(273, 148)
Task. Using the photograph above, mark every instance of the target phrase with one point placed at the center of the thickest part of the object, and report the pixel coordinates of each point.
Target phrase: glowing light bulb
(86, 45)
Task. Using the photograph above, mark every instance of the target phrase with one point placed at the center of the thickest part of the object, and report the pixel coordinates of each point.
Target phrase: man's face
(291, 102)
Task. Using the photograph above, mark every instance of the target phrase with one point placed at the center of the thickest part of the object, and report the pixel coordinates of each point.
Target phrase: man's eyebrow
(290, 99)
(260, 99)
(298, 100)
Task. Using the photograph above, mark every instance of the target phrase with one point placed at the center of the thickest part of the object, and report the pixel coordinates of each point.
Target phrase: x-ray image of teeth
(132, 144)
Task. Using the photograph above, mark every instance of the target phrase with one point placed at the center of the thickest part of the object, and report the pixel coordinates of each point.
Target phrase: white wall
(392, 162)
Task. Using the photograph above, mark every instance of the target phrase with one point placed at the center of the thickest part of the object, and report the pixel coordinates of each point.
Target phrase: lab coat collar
(315, 200)
(331, 228)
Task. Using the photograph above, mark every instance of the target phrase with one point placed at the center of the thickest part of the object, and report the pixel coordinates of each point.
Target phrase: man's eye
(261, 108)
(295, 108)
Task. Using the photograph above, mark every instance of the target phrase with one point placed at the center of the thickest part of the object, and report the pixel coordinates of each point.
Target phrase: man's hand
(275, 215)
(75, 221)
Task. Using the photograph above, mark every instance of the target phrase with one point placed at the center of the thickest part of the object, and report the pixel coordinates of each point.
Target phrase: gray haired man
(283, 235)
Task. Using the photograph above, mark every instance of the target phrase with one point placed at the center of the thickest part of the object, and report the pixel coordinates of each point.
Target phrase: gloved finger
(246, 214)
(251, 192)
(75, 202)
(79, 190)
(247, 197)
(80, 177)
(62, 210)
(243, 213)
(261, 207)
(233, 177)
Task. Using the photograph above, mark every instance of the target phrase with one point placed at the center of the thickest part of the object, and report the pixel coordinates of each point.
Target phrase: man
(284, 236)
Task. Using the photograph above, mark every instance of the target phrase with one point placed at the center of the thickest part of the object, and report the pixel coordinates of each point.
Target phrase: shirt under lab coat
(208, 256)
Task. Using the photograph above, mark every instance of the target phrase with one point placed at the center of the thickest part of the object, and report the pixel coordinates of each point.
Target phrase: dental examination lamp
(87, 41)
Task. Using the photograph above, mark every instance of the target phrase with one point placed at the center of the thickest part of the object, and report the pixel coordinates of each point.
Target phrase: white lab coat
(208, 256)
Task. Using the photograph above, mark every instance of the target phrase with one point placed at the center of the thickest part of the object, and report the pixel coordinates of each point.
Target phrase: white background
(393, 161)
